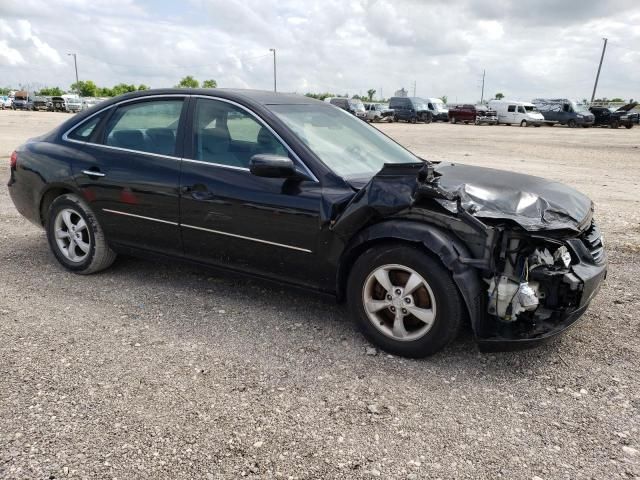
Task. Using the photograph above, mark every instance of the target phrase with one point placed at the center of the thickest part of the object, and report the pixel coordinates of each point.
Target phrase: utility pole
(75, 63)
(604, 48)
(482, 94)
(274, 68)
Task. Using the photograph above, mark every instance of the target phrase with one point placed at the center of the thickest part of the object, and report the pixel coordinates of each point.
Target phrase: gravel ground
(158, 370)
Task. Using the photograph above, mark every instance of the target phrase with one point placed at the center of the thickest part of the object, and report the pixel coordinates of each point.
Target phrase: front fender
(448, 248)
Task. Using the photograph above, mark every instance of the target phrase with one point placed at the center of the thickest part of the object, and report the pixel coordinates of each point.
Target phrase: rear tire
(413, 120)
(615, 124)
(75, 236)
(452, 120)
(571, 123)
(628, 126)
(392, 325)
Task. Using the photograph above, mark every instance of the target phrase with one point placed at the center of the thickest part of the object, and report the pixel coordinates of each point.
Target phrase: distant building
(401, 93)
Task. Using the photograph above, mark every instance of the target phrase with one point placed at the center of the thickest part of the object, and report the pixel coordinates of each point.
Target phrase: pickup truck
(476, 114)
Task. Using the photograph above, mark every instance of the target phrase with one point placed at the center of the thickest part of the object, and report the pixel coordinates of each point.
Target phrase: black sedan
(295, 190)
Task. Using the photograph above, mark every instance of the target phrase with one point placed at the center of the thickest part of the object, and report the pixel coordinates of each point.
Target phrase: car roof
(264, 97)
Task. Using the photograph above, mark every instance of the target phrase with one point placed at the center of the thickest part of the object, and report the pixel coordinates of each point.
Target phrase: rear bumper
(592, 277)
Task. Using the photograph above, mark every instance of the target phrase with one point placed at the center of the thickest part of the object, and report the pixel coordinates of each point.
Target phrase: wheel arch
(49, 195)
(434, 240)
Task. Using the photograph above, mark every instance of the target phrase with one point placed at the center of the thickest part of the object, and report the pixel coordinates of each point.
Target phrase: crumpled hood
(628, 107)
(534, 203)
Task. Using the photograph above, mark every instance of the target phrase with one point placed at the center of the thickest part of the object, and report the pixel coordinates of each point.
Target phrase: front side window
(149, 126)
(348, 146)
(511, 108)
(227, 135)
(521, 110)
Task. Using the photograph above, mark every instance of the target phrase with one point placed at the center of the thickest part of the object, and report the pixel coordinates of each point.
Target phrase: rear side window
(84, 131)
(149, 126)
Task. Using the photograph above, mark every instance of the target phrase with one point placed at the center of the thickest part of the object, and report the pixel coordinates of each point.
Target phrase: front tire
(571, 123)
(404, 300)
(524, 123)
(75, 236)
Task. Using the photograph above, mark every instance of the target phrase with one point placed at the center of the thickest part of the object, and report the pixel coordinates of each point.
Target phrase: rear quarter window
(84, 131)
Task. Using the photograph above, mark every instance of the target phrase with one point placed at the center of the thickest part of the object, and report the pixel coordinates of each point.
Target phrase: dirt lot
(157, 370)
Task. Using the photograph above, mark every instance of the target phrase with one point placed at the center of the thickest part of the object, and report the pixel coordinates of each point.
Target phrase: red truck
(473, 114)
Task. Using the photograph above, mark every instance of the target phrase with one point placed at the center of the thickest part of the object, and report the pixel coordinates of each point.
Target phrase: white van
(520, 113)
(438, 109)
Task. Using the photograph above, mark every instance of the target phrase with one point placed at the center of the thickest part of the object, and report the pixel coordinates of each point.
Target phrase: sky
(528, 48)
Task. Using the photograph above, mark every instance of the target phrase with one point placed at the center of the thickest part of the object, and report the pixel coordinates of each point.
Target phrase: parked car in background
(519, 113)
(351, 105)
(5, 102)
(73, 103)
(410, 109)
(22, 101)
(58, 104)
(615, 117)
(288, 188)
(438, 109)
(564, 111)
(42, 103)
(378, 112)
(477, 114)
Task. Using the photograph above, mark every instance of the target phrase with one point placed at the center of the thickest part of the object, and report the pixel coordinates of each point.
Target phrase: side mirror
(272, 166)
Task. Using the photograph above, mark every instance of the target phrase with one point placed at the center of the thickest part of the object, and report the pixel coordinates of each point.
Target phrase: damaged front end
(524, 252)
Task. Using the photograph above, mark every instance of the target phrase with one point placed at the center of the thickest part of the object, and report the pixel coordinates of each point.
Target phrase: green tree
(617, 99)
(142, 86)
(209, 83)
(188, 82)
(370, 93)
(499, 96)
(85, 88)
(121, 88)
(444, 99)
(51, 92)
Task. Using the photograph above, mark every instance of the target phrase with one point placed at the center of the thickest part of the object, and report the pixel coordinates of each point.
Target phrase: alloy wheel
(399, 302)
(72, 235)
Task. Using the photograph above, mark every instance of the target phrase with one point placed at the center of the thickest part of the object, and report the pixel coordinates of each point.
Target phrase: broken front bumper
(591, 276)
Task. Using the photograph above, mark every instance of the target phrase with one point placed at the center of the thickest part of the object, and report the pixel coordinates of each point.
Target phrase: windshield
(579, 108)
(419, 104)
(530, 108)
(345, 144)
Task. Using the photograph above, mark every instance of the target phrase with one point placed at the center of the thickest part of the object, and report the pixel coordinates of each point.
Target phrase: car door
(232, 218)
(129, 171)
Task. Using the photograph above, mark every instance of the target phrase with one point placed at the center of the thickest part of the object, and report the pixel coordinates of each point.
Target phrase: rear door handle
(93, 173)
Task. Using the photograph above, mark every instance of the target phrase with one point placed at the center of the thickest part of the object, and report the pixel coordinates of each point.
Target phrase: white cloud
(528, 49)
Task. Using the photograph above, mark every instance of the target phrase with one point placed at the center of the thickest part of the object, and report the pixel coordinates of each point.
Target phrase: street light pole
(604, 48)
(75, 63)
(274, 68)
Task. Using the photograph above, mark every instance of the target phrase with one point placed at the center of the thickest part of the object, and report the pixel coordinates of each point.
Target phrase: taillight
(13, 162)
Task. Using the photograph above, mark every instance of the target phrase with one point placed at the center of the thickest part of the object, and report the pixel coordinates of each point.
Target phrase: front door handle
(93, 173)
